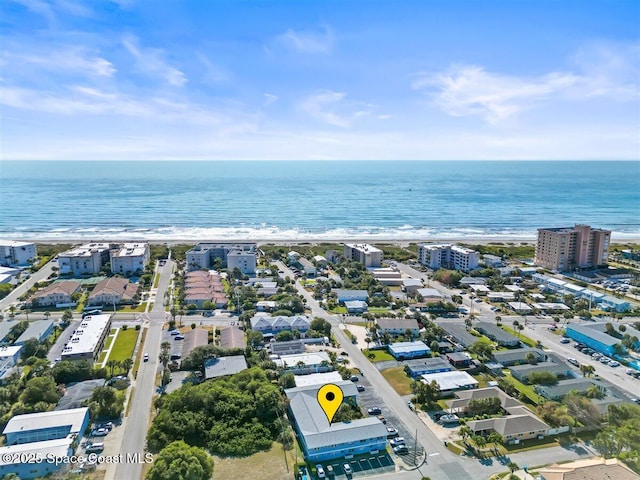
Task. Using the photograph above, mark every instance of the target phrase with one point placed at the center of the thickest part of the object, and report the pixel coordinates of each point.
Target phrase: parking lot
(370, 398)
(363, 467)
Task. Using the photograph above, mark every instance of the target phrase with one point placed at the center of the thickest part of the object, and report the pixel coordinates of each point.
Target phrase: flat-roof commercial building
(31, 438)
(318, 379)
(88, 339)
(404, 350)
(39, 329)
(129, 258)
(321, 441)
(450, 382)
(203, 255)
(349, 295)
(497, 334)
(594, 335)
(37, 427)
(306, 363)
(566, 248)
(416, 368)
(437, 256)
(286, 348)
(86, 259)
(58, 293)
(13, 252)
(10, 354)
(366, 254)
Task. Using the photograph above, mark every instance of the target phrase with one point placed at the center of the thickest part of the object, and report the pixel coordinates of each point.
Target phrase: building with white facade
(437, 256)
(88, 339)
(203, 255)
(568, 248)
(364, 253)
(129, 258)
(86, 259)
(273, 325)
(113, 291)
(58, 293)
(13, 252)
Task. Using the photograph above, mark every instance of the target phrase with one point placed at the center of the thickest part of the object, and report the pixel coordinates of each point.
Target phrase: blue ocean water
(314, 199)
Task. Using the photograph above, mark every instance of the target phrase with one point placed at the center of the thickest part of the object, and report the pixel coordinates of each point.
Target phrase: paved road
(137, 422)
(21, 289)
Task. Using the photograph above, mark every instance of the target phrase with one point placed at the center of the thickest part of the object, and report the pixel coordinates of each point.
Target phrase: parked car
(397, 441)
(400, 449)
(107, 425)
(382, 419)
(94, 448)
(360, 388)
(374, 411)
(573, 362)
(629, 371)
(179, 337)
(392, 432)
(100, 432)
(410, 405)
(146, 357)
(565, 340)
(354, 378)
(320, 471)
(604, 359)
(614, 363)
(174, 332)
(347, 469)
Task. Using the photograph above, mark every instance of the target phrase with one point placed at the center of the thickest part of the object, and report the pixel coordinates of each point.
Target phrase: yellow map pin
(330, 398)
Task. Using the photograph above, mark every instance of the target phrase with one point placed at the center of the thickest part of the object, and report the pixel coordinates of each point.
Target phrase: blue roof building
(592, 337)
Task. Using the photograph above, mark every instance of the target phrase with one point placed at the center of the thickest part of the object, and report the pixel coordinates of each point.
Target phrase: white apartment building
(437, 256)
(16, 253)
(88, 339)
(566, 248)
(85, 259)
(364, 253)
(203, 255)
(129, 258)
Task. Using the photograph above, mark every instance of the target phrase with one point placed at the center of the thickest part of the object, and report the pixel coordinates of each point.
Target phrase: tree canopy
(179, 461)
(229, 416)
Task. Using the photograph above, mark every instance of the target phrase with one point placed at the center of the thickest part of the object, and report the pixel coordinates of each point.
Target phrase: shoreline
(479, 240)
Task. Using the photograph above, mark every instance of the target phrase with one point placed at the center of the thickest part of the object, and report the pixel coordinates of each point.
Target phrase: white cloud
(471, 90)
(269, 98)
(331, 107)
(306, 41)
(62, 59)
(151, 62)
(39, 7)
(602, 71)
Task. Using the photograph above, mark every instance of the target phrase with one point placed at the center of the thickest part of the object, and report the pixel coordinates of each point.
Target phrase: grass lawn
(108, 342)
(378, 309)
(339, 310)
(80, 305)
(128, 308)
(125, 343)
(379, 355)
(156, 280)
(136, 363)
(269, 465)
(523, 338)
(522, 388)
(399, 380)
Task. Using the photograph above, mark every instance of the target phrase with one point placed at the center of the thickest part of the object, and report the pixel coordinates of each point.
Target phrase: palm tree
(27, 312)
(164, 358)
(516, 326)
(465, 432)
(126, 365)
(12, 311)
(498, 320)
(367, 341)
(47, 315)
(111, 365)
(513, 466)
(587, 369)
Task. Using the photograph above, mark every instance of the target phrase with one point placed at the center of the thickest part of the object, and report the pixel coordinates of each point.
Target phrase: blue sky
(238, 79)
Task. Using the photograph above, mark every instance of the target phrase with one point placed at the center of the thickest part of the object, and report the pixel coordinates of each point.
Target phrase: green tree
(513, 466)
(587, 370)
(40, 389)
(482, 350)
(67, 316)
(179, 461)
(284, 336)
(105, 402)
(288, 380)
(254, 338)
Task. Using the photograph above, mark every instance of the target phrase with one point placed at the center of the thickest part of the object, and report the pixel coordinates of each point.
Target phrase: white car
(347, 469)
(320, 471)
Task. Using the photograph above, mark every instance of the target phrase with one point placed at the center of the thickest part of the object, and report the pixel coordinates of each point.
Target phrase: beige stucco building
(567, 248)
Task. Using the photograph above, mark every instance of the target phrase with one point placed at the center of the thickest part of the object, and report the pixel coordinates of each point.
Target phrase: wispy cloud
(150, 61)
(269, 98)
(61, 59)
(601, 71)
(313, 42)
(332, 108)
(471, 90)
(39, 7)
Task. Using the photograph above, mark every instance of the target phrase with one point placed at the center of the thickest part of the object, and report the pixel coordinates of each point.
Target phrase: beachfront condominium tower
(447, 256)
(568, 248)
(366, 254)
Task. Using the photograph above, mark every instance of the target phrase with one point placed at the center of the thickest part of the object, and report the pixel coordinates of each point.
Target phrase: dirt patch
(269, 465)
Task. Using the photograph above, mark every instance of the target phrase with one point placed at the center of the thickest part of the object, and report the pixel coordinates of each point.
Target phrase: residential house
(58, 293)
(305, 363)
(416, 368)
(559, 390)
(459, 359)
(521, 308)
(429, 295)
(349, 295)
(232, 337)
(39, 329)
(113, 291)
(594, 468)
(458, 333)
(223, 366)
(522, 372)
(355, 307)
(286, 348)
(274, 325)
(517, 357)
(411, 285)
(451, 382)
(498, 335)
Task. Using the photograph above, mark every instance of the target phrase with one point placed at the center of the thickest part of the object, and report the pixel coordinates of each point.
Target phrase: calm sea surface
(301, 200)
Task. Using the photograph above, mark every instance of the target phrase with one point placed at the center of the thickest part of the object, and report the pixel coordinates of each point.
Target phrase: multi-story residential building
(203, 255)
(112, 291)
(16, 253)
(437, 256)
(569, 248)
(88, 339)
(86, 259)
(366, 254)
(273, 325)
(129, 258)
(58, 293)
